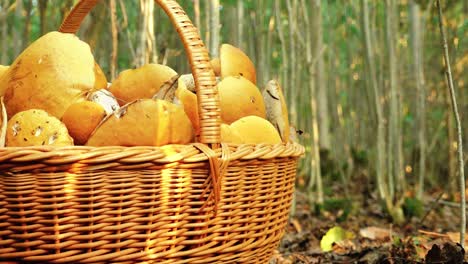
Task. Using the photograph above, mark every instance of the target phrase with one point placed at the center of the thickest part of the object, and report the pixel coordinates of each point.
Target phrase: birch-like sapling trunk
(146, 49)
(311, 57)
(27, 22)
(196, 11)
(240, 24)
(417, 51)
(124, 26)
(395, 168)
(322, 97)
(214, 28)
(291, 7)
(114, 31)
(395, 212)
(3, 20)
(458, 123)
(207, 14)
(17, 42)
(42, 15)
(284, 55)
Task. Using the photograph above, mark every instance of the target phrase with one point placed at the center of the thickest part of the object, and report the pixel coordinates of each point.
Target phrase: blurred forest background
(364, 80)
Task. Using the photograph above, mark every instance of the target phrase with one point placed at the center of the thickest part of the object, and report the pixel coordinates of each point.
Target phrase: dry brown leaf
(455, 237)
(297, 225)
(375, 233)
(344, 247)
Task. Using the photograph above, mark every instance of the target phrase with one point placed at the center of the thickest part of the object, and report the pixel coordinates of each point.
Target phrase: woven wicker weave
(197, 203)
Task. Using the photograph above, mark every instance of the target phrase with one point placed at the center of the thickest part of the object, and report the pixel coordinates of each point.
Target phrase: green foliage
(413, 207)
(341, 207)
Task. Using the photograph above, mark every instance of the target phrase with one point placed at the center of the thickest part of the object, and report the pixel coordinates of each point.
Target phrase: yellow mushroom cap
(58, 77)
(189, 102)
(55, 71)
(81, 119)
(238, 98)
(144, 122)
(101, 80)
(3, 69)
(229, 135)
(35, 127)
(216, 65)
(234, 62)
(255, 130)
(140, 83)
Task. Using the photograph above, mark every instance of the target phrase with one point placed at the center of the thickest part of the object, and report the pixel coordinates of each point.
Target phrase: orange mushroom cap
(140, 83)
(234, 62)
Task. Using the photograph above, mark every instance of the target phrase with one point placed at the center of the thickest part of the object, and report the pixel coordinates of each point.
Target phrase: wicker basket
(199, 203)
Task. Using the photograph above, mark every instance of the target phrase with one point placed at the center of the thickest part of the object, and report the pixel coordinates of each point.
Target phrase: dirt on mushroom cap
(35, 127)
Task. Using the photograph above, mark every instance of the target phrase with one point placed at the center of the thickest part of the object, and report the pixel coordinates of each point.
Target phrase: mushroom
(140, 83)
(238, 98)
(52, 73)
(144, 122)
(255, 130)
(234, 62)
(82, 118)
(276, 108)
(106, 99)
(35, 127)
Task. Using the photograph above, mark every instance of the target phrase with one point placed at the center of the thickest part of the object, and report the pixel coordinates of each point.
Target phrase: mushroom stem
(190, 82)
(106, 99)
(168, 89)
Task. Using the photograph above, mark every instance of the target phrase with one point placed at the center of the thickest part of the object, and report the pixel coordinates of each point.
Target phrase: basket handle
(205, 82)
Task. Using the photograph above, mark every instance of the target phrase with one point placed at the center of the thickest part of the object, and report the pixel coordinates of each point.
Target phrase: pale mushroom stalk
(168, 89)
(276, 109)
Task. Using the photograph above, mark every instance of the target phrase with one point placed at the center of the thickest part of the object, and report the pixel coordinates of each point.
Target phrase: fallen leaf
(344, 247)
(334, 234)
(375, 233)
(297, 225)
(455, 237)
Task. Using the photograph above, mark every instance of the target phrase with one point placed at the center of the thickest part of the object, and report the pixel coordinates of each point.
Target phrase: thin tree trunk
(17, 43)
(196, 10)
(114, 30)
(214, 28)
(284, 55)
(3, 20)
(268, 50)
(380, 169)
(27, 23)
(452, 187)
(128, 35)
(42, 15)
(311, 58)
(240, 24)
(453, 98)
(293, 62)
(322, 102)
(146, 51)
(207, 12)
(151, 41)
(417, 50)
(395, 168)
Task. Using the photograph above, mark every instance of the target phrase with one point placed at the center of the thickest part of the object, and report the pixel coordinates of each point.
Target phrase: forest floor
(370, 236)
